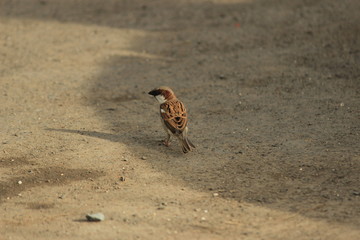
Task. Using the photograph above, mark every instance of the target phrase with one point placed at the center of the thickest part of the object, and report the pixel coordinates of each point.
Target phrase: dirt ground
(273, 93)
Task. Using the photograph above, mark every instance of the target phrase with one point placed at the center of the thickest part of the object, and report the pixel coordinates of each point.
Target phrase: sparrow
(174, 117)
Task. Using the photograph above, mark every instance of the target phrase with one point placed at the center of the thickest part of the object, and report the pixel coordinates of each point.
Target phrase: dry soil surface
(273, 93)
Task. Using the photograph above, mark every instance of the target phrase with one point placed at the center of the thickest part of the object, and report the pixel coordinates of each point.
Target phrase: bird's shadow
(144, 140)
(101, 135)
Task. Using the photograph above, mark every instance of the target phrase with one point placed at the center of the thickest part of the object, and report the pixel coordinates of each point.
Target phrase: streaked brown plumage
(173, 117)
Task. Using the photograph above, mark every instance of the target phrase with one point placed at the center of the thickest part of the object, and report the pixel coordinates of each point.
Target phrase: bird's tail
(185, 142)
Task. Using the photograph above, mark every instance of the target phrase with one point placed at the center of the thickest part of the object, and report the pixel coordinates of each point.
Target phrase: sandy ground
(273, 93)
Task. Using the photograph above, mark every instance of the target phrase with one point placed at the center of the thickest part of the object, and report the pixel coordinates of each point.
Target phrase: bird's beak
(154, 92)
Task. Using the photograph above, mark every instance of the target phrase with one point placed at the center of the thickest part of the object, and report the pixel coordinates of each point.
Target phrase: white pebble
(96, 217)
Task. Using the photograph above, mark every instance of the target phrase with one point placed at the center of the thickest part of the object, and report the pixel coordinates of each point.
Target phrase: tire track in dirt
(30, 175)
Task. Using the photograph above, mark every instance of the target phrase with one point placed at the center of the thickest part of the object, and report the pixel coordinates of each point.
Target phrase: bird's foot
(166, 143)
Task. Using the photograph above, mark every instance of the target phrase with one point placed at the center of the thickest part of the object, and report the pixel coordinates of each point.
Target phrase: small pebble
(143, 158)
(19, 182)
(220, 76)
(95, 217)
(215, 194)
(122, 179)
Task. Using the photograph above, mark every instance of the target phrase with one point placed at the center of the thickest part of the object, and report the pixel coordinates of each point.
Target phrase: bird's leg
(167, 140)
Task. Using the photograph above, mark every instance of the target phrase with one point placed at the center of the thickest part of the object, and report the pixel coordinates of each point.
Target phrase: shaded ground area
(273, 92)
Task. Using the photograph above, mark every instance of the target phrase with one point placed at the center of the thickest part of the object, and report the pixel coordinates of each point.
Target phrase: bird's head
(162, 94)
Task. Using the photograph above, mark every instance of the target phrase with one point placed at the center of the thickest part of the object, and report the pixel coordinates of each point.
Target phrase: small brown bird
(173, 117)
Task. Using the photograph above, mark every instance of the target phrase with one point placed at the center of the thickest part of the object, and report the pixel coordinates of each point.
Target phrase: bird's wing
(174, 115)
